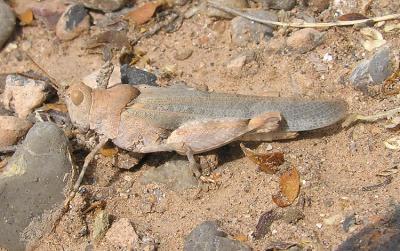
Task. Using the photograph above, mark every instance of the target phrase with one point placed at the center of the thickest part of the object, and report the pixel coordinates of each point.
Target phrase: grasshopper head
(79, 101)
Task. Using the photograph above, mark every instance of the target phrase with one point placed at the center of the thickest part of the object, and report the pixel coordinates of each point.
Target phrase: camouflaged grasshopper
(145, 119)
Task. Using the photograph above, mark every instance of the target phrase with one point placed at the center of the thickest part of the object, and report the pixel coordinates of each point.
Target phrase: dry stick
(78, 182)
(301, 25)
(353, 118)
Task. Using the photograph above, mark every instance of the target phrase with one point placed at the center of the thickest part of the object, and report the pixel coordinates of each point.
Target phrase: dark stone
(135, 76)
(75, 15)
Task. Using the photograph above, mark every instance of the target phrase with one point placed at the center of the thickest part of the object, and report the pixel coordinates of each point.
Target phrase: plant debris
(352, 17)
(354, 118)
(373, 38)
(143, 13)
(387, 181)
(26, 17)
(267, 162)
(393, 143)
(289, 188)
(264, 223)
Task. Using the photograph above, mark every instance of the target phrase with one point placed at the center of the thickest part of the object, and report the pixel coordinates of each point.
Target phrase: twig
(78, 182)
(301, 25)
(353, 118)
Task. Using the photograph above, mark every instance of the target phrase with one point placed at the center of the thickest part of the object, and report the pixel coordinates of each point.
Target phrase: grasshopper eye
(77, 97)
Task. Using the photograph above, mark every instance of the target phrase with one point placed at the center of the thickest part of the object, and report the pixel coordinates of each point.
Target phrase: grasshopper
(145, 119)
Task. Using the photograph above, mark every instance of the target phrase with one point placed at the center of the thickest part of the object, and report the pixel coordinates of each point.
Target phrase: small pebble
(183, 54)
(122, 235)
(305, 40)
(278, 4)
(74, 21)
(104, 5)
(245, 31)
(318, 225)
(135, 76)
(319, 5)
(175, 174)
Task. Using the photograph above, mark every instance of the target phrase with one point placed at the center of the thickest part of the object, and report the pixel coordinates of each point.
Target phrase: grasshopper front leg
(204, 135)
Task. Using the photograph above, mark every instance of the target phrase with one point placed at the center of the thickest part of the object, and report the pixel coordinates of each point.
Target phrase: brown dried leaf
(26, 17)
(109, 151)
(241, 237)
(61, 107)
(352, 17)
(267, 162)
(289, 188)
(143, 13)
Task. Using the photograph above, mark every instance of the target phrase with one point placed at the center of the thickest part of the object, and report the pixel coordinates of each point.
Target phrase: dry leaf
(109, 151)
(391, 27)
(61, 107)
(374, 38)
(352, 17)
(26, 17)
(393, 143)
(393, 123)
(267, 162)
(289, 188)
(143, 13)
(241, 237)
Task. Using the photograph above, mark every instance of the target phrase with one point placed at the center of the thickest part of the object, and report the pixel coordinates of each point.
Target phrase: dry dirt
(334, 163)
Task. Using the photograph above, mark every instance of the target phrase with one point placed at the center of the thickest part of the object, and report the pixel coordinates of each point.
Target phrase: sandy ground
(334, 163)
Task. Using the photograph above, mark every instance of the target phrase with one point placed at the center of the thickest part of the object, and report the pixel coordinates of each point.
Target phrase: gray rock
(176, 174)
(32, 182)
(305, 40)
(372, 71)
(7, 22)
(136, 76)
(235, 4)
(104, 5)
(73, 22)
(278, 4)
(245, 31)
(207, 237)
